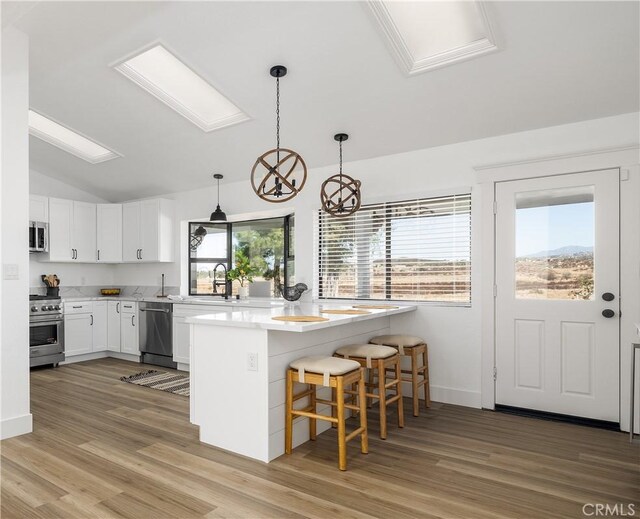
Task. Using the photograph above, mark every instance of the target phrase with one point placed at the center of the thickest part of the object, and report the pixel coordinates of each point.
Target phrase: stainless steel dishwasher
(156, 333)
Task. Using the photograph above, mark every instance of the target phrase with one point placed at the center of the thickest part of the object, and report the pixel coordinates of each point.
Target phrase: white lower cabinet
(99, 324)
(182, 330)
(78, 334)
(129, 329)
(181, 340)
(113, 325)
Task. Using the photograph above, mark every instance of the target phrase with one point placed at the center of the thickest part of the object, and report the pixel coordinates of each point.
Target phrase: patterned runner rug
(169, 382)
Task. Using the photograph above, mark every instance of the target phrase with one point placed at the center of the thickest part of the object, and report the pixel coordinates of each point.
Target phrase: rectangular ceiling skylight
(166, 77)
(427, 35)
(68, 140)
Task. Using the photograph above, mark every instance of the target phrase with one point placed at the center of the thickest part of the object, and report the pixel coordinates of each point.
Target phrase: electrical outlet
(252, 361)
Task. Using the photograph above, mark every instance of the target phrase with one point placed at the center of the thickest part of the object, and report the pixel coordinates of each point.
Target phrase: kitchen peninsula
(238, 362)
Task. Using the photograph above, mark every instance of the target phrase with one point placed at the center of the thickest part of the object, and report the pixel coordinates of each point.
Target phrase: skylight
(166, 77)
(427, 35)
(68, 140)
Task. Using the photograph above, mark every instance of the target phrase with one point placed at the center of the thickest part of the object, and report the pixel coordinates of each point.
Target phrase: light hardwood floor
(103, 448)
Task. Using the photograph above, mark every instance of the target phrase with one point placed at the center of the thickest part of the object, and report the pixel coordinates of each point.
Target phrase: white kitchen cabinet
(113, 325)
(60, 224)
(181, 340)
(78, 334)
(147, 231)
(182, 330)
(109, 233)
(99, 323)
(130, 231)
(72, 231)
(38, 208)
(129, 329)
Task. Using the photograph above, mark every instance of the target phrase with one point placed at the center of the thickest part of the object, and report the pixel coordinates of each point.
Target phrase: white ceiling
(558, 62)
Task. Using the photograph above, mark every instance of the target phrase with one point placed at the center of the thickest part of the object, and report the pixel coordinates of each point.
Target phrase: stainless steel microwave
(38, 237)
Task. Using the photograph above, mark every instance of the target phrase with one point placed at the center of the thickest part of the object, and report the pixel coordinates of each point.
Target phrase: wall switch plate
(10, 271)
(252, 361)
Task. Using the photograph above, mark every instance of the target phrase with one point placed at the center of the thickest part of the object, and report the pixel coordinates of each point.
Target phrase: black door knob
(608, 313)
(608, 296)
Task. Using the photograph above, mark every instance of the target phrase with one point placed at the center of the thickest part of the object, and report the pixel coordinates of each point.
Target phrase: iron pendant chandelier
(218, 215)
(340, 194)
(279, 174)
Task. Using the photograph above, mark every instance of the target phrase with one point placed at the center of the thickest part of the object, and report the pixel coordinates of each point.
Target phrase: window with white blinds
(415, 250)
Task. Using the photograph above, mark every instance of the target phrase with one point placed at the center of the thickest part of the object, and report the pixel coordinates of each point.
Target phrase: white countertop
(262, 317)
(188, 300)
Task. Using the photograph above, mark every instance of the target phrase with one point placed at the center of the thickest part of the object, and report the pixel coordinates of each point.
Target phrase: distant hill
(569, 250)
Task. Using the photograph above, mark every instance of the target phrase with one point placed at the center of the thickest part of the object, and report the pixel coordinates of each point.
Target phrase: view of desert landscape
(560, 276)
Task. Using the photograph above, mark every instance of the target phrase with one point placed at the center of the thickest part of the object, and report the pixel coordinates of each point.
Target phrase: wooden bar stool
(334, 373)
(413, 347)
(378, 359)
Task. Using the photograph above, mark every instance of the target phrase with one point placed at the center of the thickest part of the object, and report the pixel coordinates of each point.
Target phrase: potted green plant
(243, 272)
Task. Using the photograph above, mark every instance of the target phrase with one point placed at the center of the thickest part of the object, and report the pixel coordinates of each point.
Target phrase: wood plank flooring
(103, 448)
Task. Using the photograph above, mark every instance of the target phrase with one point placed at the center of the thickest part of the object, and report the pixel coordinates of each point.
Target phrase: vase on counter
(243, 291)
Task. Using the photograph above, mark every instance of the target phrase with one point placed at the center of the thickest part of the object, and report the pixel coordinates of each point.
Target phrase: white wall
(453, 333)
(15, 413)
(69, 274)
(40, 184)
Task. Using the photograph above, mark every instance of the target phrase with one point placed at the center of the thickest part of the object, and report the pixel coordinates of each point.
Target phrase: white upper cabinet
(147, 234)
(38, 208)
(83, 231)
(131, 231)
(72, 231)
(60, 224)
(109, 233)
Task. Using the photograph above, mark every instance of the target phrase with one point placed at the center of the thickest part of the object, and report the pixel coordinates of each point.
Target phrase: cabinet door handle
(77, 306)
(91, 319)
(117, 308)
(98, 254)
(140, 253)
(132, 319)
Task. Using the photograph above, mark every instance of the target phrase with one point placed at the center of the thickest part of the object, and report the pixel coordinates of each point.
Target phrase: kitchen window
(413, 250)
(213, 247)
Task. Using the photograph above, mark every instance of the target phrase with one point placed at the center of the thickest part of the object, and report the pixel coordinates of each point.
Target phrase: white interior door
(557, 271)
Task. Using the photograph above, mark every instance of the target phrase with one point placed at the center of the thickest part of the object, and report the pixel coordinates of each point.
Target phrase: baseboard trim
(16, 426)
(450, 395)
(555, 417)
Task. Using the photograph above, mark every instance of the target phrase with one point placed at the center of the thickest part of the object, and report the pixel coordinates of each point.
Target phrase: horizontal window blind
(416, 250)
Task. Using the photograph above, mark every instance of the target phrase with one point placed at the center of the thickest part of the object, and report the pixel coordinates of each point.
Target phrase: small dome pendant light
(279, 174)
(340, 194)
(218, 215)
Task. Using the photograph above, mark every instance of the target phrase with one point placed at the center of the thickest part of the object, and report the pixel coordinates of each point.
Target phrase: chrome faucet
(215, 283)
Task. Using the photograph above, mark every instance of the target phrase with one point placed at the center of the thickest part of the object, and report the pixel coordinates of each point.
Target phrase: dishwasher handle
(163, 310)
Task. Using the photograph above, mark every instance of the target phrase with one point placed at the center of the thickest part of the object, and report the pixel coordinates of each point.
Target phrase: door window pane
(555, 244)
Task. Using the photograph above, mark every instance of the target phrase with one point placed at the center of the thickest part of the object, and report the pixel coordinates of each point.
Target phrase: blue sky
(551, 227)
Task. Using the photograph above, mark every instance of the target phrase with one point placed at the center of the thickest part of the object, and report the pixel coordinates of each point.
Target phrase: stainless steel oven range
(46, 331)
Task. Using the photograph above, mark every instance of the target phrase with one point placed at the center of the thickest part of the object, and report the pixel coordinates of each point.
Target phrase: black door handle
(608, 296)
(608, 313)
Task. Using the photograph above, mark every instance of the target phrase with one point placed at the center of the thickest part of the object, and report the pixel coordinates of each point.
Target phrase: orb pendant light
(218, 215)
(340, 194)
(279, 174)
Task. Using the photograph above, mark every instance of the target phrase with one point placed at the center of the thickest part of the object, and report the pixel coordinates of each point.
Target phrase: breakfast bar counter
(239, 358)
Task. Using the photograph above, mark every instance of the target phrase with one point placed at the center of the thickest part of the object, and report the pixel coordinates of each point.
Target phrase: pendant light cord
(218, 192)
(278, 119)
(341, 182)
